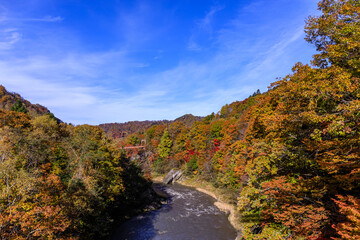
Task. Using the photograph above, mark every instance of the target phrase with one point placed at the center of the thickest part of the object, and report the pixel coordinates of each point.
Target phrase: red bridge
(134, 147)
(143, 145)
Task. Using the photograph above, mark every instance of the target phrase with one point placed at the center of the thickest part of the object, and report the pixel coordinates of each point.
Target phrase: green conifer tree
(18, 107)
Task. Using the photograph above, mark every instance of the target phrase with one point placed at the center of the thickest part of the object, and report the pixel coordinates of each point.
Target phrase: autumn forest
(289, 157)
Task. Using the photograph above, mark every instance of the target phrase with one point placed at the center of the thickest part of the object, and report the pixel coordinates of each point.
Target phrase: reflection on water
(188, 215)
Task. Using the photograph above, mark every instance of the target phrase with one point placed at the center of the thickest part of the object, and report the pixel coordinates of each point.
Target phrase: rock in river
(172, 176)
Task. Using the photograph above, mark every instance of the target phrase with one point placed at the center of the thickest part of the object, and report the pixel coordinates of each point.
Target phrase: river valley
(189, 214)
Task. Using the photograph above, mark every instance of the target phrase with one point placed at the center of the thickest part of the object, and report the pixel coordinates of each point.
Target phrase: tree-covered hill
(291, 156)
(120, 130)
(58, 181)
(188, 119)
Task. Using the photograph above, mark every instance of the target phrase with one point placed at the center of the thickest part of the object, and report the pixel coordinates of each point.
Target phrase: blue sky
(115, 61)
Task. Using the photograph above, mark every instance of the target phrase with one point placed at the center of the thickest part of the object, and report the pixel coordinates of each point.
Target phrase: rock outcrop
(172, 176)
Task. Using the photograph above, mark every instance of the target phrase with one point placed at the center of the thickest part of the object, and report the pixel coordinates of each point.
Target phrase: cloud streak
(206, 22)
(203, 29)
(9, 36)
(43, 19)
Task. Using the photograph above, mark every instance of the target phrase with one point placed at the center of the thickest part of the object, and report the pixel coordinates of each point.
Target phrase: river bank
(188, 214)
(222, 201)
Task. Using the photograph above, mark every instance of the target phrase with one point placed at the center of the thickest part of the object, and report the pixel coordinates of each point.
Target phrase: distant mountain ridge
(119, 130)
(188, 119)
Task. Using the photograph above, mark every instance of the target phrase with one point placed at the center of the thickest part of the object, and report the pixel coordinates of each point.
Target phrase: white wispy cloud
(206, 22)
(49, 19)
(9, 37)
(203, 26)
(44, 19)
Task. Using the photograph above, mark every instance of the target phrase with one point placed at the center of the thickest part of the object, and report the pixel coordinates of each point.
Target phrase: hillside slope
(10, 101)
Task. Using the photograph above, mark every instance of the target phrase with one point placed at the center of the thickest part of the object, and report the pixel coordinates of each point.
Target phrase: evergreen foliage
(18, 107)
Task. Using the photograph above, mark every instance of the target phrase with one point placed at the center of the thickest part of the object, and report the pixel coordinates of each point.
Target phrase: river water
(189, 214)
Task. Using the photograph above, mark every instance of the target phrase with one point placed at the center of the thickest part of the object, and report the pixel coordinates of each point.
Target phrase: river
(189, 214)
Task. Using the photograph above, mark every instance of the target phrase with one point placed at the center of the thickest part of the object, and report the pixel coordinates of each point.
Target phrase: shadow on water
(188, 215)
